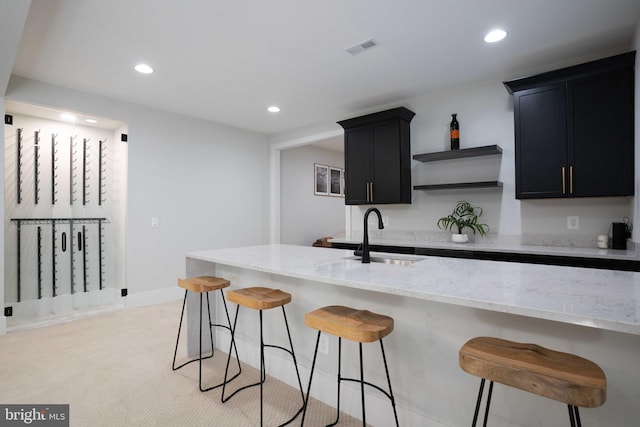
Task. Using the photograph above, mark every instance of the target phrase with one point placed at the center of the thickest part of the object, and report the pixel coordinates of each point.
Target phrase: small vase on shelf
(454, 131)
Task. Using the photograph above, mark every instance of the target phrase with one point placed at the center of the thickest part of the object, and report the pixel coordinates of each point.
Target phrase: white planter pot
(459, 238)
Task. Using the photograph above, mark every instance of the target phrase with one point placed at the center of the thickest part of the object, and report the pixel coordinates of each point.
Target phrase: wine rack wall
(64, 209)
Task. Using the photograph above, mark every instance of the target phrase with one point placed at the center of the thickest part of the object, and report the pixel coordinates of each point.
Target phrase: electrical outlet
(573, 222)
(155, 222)
(323, 345)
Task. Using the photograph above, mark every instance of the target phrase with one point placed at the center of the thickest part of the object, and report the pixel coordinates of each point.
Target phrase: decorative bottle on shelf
(454, 130)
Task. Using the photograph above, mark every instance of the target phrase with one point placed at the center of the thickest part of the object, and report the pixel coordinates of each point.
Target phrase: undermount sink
(389, 260)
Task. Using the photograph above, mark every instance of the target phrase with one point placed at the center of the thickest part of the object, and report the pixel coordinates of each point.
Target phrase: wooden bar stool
(203, 285)
(564, 377)
(361, 326)
(258, 298)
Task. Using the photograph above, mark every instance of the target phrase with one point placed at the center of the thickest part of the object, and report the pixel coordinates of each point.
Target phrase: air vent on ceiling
(361, 47)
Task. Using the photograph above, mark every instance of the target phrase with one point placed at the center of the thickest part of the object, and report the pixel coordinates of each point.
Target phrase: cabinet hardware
(371, 191)
(570, 179)
(564, 191)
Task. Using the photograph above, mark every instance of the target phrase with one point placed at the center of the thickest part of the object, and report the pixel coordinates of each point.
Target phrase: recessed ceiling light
(273, 109)
(91, 120)
(495, 36)
(67, 116)
(144, 69)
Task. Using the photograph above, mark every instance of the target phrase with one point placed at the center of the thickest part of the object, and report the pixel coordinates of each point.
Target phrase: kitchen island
(438, 303)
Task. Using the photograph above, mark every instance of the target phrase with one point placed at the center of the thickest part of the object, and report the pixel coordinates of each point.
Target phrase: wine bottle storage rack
(63, 196)
(54, 168)
(19, 165)
(85, 171)
(80, 169)
(83, 246)
(36, 167)
(102, 172)
(72, 169)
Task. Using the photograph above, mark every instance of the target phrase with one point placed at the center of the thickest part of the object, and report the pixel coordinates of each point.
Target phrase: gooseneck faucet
(365, 238)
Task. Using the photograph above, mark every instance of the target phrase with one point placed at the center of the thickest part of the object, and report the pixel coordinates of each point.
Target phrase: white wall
(305, 217)
(485, 113)
(207, 184)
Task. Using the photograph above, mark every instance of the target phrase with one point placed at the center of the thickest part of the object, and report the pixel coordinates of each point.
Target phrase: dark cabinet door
(358, 175)
(386, 185)
(600, 134)
(541, 142)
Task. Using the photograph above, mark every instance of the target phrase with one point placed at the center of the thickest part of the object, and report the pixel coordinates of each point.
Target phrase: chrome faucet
(365, 239)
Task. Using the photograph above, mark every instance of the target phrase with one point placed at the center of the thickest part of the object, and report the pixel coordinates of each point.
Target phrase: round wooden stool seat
(351, 324)
(203, 283)
(259, 298)
(559, 376)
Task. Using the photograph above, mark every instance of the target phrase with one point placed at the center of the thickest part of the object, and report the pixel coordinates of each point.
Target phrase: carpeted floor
(114, 369)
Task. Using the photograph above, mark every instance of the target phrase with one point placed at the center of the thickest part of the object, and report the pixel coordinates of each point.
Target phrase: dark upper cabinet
(377, 151)
(574, 130)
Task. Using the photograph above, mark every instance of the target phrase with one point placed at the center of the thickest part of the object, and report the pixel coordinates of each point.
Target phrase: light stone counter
(484, 245)
(603, 299)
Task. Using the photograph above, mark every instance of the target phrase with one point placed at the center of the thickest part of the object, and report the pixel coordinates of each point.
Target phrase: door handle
(564, 190)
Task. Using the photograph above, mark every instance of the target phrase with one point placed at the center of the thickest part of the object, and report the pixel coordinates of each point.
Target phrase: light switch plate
(155, 222)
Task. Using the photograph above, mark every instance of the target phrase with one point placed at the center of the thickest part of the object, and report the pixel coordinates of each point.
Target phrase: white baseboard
(160, 296)
(62, 307)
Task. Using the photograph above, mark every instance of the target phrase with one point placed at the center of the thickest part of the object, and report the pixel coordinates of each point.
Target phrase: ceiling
(227, 61)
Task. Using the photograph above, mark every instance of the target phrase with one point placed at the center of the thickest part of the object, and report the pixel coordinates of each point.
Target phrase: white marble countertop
(619, 254)
(604, 299)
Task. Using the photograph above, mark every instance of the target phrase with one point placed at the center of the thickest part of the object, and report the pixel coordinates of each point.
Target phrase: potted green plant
(464, 215)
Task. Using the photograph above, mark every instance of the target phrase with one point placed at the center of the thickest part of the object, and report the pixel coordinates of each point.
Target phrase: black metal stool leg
(231, 346)
(486, 409)
(571, 419)
(574, 416)
(262, 370)
(313, 365)
(386, 369)
(364, 417)
(228, 327)
(295, 364)
(478, 401)
(175, 353)
(339, 381)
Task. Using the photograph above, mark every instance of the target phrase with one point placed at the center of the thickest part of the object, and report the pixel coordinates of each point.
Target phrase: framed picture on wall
(336, 187)
(321, 180)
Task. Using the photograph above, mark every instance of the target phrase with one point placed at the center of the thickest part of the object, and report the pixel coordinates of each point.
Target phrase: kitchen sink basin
(389, 260)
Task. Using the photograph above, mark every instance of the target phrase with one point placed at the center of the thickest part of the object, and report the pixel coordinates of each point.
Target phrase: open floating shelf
(455, 186)
(487, 150)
